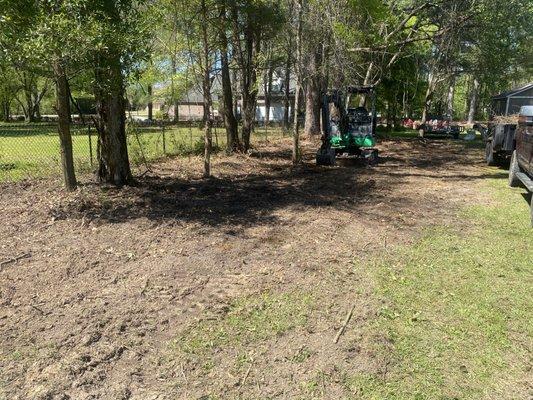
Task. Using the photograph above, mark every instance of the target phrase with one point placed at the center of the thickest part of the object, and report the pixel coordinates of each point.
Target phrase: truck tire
(514, 168)
(531, 210)
(374, 158)
(325, 157)
(489, 155)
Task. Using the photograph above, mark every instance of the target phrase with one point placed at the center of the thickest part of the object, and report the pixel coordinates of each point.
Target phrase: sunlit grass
(32, 150)
(248, 320)
(457, 308)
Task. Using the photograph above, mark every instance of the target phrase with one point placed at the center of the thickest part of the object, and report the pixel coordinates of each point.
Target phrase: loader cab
(348, 131)
(360, 126)
(347, 127)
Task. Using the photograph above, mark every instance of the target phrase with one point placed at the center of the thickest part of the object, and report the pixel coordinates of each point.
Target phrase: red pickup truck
(521, 168)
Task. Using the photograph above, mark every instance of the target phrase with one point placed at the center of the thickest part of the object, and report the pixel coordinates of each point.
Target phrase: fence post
(90, 146)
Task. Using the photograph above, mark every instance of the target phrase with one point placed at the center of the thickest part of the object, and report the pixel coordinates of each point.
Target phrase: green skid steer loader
(348, 131)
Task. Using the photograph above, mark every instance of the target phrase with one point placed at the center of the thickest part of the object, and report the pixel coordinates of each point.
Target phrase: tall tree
(199, 21)
(118, 36)
(63, 112)
(253, 22)
(42, 33)
(299, 8)
(205, 65)
(313, 91)
(287, 81)
(170, 49)
(473, 101)
(316, 41)
(7, 92)
(230, 121)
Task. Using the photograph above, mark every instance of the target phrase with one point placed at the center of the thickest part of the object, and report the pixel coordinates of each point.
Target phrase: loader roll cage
(348, 130)
(337, 98)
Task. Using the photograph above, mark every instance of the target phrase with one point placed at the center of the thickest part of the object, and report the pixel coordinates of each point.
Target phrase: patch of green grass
(32, 150)
(382, 133)
(249, 320)
(413, 134)
(311, 387)
(457, 308)
(302, 355)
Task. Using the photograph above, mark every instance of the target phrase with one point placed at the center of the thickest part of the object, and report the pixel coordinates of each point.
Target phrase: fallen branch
(15, 259)
(247, 374)
(343, 327)
(37, 309)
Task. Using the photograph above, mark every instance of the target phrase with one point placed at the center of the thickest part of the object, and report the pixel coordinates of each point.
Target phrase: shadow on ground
(243, 201)
(273, 185)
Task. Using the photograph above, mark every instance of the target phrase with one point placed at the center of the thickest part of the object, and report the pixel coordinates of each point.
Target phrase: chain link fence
(32, 150)
(29, 151)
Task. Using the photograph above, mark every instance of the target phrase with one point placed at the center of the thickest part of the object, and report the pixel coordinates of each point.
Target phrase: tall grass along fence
(29, 151)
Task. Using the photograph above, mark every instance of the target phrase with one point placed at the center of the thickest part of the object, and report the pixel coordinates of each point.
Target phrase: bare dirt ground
(116, 284)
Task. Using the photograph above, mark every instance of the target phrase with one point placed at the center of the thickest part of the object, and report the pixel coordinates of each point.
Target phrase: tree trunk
(366, 82)
(249, 86)
(32, 98)
(6, 110)
(296, 126)
(395, 113)
(389, 116)
(268, 93)
(175, 99)
(296, 134)
(206, 86)
(312, 111)
(404, 102)
(428, 97)
(36, 104)
(287, 88)
(208, 137)
(312, 96)
(427, 101)
(114, 166)
(230, 122)
(292, 109)
(450, 99)
(29, 115)
(236, 89)
(65, 138)
(473, 102)
(150, 104)
(70, 103)
(247, 45)
(249, 101)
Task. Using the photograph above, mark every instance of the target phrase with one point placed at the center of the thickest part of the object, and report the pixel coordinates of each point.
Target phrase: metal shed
(509, 102)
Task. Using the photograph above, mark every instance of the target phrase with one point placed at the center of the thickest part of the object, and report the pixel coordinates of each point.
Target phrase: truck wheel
(514, 168)
(489, 155)
(374, 158)
(325, 157)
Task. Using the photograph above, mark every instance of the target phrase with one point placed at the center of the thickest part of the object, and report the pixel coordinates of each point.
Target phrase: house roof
(514, 92)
